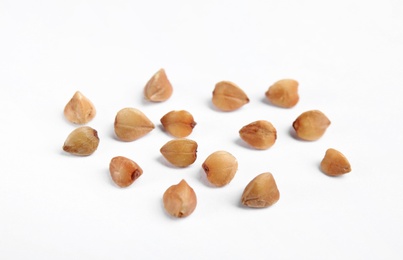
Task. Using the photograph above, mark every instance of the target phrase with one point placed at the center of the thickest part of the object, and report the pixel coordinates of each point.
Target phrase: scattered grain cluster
(220, 167)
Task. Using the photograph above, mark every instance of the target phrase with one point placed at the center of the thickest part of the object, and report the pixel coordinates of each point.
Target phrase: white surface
(347, 56)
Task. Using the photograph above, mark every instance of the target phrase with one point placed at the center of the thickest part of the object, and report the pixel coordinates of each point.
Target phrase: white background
(346, 55)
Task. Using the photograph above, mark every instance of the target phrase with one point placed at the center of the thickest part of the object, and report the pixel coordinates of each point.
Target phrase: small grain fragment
(220, 168)
(335, 163)
(124, 171)
(131, 124)
(180, 200)
(228, 97)
(79, 110)
(261, 192)
(260, 134)
(158, 88)
(82, 141)
(283, 93)
(178, 123)
(311, 125)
